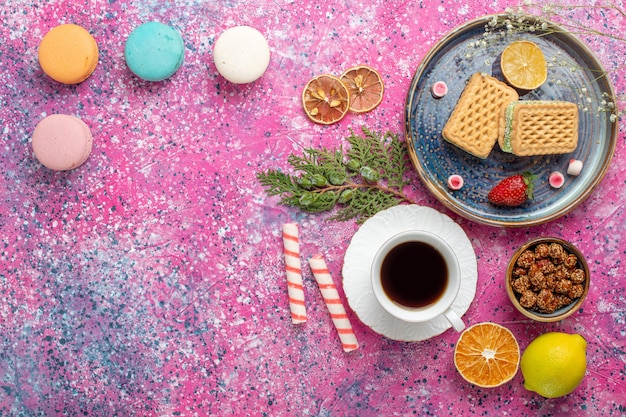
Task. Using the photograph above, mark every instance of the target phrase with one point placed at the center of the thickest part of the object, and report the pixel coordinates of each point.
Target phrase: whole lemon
(554, 364)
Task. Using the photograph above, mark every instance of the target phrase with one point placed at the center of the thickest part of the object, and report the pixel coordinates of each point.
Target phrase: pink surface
(151, 280)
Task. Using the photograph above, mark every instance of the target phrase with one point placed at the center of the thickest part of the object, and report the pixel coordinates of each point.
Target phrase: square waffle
(474, 123)
(541, 127)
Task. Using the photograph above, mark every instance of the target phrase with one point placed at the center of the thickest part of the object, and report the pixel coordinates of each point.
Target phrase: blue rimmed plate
(574, 75)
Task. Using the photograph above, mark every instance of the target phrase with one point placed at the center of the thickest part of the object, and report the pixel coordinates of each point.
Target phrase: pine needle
(358, 183)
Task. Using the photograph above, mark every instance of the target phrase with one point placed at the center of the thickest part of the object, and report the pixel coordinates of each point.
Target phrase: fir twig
(360, 182)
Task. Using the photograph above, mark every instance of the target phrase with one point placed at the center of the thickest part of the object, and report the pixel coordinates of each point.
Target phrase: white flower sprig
(540, 18)
(572, 17)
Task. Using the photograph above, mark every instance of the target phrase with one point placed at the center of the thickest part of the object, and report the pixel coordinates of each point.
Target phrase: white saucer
(363, 247)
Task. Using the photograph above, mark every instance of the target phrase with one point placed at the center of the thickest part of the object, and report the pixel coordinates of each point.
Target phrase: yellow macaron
(68, 54)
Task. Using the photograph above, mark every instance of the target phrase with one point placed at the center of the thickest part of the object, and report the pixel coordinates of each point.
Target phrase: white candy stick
(333, 303)
(295, 290)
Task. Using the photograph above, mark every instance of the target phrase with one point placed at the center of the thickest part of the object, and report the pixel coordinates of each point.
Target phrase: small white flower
(613, 118)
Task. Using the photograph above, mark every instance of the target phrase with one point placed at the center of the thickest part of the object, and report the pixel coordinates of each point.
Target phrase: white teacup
(421, 277)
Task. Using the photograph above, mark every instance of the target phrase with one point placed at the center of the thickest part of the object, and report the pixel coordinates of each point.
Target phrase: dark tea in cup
(414, 274)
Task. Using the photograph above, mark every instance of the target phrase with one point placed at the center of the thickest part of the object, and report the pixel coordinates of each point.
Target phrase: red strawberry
(513, 191)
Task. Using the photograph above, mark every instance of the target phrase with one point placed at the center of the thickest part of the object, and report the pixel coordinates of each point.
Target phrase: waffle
(539, 128)
(474, 123)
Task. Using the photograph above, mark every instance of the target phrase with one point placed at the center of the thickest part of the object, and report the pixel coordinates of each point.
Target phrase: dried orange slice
(325, 99)
(487, 355)
(523, 65)
(365, 86)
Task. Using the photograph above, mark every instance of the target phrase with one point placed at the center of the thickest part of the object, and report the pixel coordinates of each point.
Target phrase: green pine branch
(358, 183)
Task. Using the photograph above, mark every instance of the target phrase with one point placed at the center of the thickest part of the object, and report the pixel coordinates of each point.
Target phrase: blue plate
(574, 74)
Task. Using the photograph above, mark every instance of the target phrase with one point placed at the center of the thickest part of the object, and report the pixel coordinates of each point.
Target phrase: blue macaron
(154, 51)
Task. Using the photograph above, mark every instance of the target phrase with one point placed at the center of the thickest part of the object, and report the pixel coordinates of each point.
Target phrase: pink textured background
(150, 281)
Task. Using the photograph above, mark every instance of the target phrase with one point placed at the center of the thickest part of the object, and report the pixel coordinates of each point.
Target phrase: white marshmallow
(574, 167)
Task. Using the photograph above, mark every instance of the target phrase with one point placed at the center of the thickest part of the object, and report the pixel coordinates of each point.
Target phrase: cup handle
(454, 319)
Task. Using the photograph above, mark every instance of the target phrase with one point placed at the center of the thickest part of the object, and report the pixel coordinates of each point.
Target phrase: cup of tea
(416, 277)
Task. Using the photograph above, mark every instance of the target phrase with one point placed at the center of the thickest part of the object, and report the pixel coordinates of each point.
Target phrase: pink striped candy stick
(333, 302)
(295, 290)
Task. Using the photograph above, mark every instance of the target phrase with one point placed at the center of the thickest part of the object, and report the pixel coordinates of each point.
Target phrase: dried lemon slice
(523, 65)
(365, 86)
(487, 355)
(325, 99)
